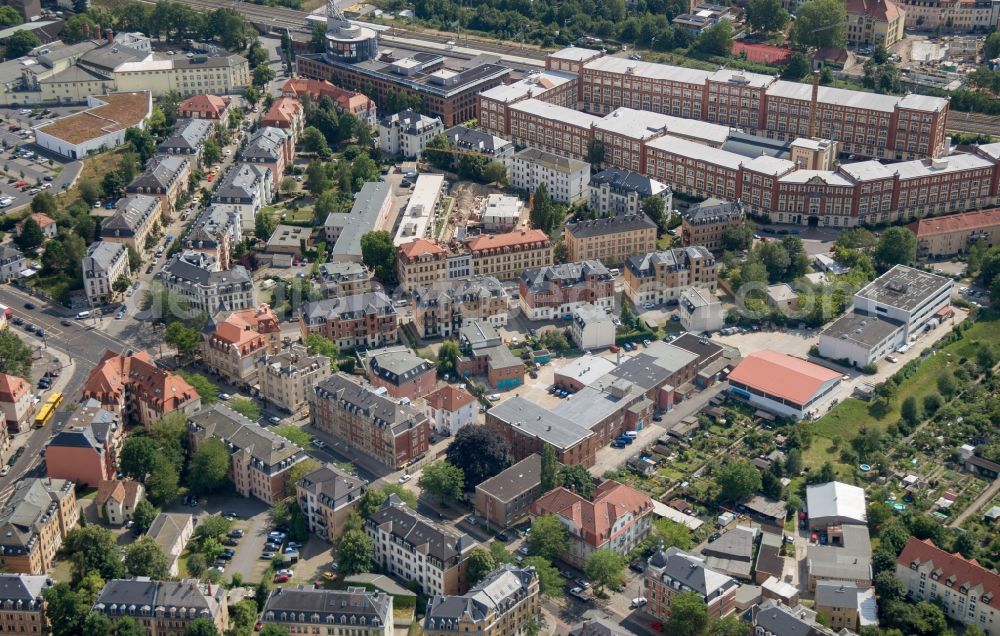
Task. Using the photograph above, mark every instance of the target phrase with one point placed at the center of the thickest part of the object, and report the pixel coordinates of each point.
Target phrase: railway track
(975, 123)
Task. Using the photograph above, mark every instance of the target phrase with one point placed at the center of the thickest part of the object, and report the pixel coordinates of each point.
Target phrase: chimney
(111, 36)
(812, 105)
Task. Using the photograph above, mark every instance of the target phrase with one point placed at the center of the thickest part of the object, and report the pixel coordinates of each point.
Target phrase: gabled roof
(438, 541)
(595, 519)
(964, 573)
(107, 382)
(12, 387)
(122, 491)
(273, 452)
(690, 572)
(213, 105)
(189, 134)
(419, 247)
(449, 398)
(517, 238)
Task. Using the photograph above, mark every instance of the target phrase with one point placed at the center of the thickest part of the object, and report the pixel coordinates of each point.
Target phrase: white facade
(565, 179)
(621, 192)
(418, 218)
(592, 327)
(907, 295)
(451, 422)
(247, 188)
(860, 339)
(114, 137)
(196, 277)
(700, 310)
(500, 213)
(104, 264)
(407, 133)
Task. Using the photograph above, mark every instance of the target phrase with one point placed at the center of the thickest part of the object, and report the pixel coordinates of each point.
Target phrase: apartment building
(248, 187)
(564, 178)
(402, 373)
(34, 520)
(554, 131)
(286, 113)
(952, 16)
(444, 308)
(164, 608)
(592, 327)
(12, 262)
(197, 278)
(553, 86)
(705, 223)
(406, 133)
(700, 310)
(419, 263)
(874, 22)
(554, 292)
(85, 451)
(132, 223)
(134, 388)
(271, 148)
(450, 409)
(611, 239)
(327, 496)
(205, 106)
(165, 178)
(188, 139)
(172, 531)
(23, 602)
(286, 378)
(906, 295)
(372, 211)
(260, 459)
(489, 146)
(505, 256)
(16, 403)
(344, 101)
(955, 234)
(361, 321)
(616, 518)
(505, 499)
(231, 347)
(500, 213)
(502, 604)
(363, 416)
(614, 191)
(104, 264)
(660, 277)
(528, 427)
(345, 279)
(354, 611)
(672, 571)
(963, 588)
(216, 232)
(414, 548)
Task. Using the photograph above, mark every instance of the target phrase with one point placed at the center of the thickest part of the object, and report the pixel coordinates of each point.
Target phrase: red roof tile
(782, 375)
(211, 105)
(12, 387)
(450, 398)
(967, 572)
(595, 519)
(978, 220)
(510, 239)
(419, 247)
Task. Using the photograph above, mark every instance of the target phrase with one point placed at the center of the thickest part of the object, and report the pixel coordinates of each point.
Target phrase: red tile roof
(211, 105)
(612, 501)
(978, 220)
(450, 398)
(882, 10)
(317, 89)
(510, 239)
(782, 375)
(122, 491)
(284, 110)
(967, 572)
(160, 389)
(419, 247)
(12, 387)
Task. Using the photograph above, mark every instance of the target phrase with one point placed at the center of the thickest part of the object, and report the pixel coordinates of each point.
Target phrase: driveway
(253, 520)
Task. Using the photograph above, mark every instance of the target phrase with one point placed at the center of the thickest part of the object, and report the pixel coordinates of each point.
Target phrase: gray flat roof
(863, 329)
(903, 287)
(513, 481)
(539, 422)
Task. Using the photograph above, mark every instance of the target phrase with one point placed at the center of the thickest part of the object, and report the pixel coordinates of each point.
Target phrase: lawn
(848, 417)
(94, 168)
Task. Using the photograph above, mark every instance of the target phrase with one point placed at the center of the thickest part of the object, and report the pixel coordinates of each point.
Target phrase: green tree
(15, 356)
(550, 582)
(43, 202)
(137, 456)
(767, 16)
(595, 152)
(270, 629)
(242, 617)
(184, 339)
(30, 235)
(543, 210)
(738, 237)
(577, 478)
(322, 346)
(991, 47)
(201, 626)
(550, 468)
(66, 610)
(354, 552)
(92, 549)
(947, 384)
(439, 152)
(910, 410)
(604, 567)
(246, 407)
(211, 152)
(209, 467)
(896, 246)
(728, 626)
(19, 44)
(379, 254)
(9, 17)
(820, 23)
(688, 614)
(203, 386)
(127, 626)
(262, 75)
(145, 557)
(264, 225)
(480, 451)
(737, 480)
(447, 359)
(716, 39)
(314, 141)
(143, 515)
(442, 479)
(986, 357)
(134, 260)
(96, 624)
(655, 209)
(495, 172)
(481, 563)
(549, 538)
(672, 534)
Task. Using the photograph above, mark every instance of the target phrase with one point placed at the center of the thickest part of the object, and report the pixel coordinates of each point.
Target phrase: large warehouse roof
(782, 375)
(836, 499)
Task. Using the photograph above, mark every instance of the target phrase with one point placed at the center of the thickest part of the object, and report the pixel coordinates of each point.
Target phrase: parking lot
(23, 166)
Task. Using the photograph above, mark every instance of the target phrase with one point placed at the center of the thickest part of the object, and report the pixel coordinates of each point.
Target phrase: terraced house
(505, 256)
(500, 605)
(326, 497)
(164, 608)
(659, 277)
(363, 320)
(134, 388)
(414, 548)
(33, 523)
(247, 187)
(366, 418)
(232, 346)
(133, 222)
(444, 308)
(23, 604)
(260, 459)
(166, 178)
(197, 277)
(351, 612)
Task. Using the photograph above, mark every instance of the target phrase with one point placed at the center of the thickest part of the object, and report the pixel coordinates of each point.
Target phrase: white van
(631, 434)
(82, 315)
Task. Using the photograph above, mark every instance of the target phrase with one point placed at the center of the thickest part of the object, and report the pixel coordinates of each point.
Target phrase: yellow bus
(48, 409)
